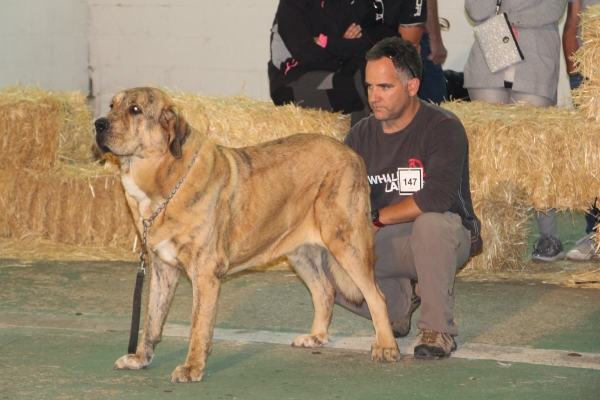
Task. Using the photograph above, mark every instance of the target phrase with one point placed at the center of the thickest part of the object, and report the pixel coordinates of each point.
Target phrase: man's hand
(438, 51)
(354, 31)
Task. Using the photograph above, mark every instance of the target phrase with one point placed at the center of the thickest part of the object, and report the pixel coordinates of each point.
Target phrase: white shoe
(584, 249)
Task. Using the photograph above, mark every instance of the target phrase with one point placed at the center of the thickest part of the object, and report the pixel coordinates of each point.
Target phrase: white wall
(44, 42)
(211, 47)
(217, 47)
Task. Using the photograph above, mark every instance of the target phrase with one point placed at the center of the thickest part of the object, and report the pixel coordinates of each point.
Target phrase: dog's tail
(343, 282)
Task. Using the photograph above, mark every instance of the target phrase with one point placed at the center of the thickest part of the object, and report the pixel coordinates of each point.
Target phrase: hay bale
(240, 121)
(587, 63)
(504, 216)
(40, 128)
(73, 207)
(587, 279)
(520, 157)
(550, 153)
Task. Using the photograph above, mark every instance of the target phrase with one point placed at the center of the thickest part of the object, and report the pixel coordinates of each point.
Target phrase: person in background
(317, 50)
(433, 85)
(381, 19)
(571, 40)
(533, 80)
(417, 160)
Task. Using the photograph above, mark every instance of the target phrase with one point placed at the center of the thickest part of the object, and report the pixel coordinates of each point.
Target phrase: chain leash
(147, 222)
(141, 273)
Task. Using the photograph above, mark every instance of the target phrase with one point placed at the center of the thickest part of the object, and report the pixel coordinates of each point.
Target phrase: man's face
(389, 97)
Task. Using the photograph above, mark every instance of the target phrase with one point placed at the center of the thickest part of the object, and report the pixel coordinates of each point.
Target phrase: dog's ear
(177, 128)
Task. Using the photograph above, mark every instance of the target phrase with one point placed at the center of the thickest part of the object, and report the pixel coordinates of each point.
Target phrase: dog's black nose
(101, 125)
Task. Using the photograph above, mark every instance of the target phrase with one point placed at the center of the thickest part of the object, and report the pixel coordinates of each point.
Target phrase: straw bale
(73, 207)
(240, 121)
(520, 157)
(31, 249)
(550, 153)
(39, 128)
(504, 216)
(587, 279)
(587, 62)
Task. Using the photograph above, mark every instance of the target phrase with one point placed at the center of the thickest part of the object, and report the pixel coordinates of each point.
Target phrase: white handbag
(497, 42)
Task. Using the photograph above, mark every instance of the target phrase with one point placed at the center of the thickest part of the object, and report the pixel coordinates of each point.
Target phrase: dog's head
(142, 122)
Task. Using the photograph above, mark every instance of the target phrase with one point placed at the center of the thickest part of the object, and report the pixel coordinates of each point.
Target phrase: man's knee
(429, 224)
(436, 229)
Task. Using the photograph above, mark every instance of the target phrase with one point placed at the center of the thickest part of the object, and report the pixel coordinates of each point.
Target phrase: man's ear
(413, 86)
(176, 127)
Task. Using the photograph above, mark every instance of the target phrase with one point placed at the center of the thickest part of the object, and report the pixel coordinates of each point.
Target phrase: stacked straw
(49, 190)
(587, 63)
(524, 157)
(240, 121)
(552, 154)
(520, 157)
(39, 128)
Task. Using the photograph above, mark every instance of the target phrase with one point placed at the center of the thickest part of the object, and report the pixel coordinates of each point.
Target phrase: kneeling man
(417, 158)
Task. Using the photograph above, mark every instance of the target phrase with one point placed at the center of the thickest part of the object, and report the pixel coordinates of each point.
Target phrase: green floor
(64, 324)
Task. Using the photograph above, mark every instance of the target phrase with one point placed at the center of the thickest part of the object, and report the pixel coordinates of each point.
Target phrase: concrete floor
(64, 324)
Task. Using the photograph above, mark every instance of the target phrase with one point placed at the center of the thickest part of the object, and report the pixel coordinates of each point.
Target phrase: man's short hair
(403, 54)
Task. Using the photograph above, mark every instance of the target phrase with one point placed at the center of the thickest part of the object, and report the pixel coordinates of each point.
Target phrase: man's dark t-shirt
(435, 142)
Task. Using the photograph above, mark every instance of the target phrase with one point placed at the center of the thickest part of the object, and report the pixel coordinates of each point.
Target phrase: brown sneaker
(433, 345)
(401, 327)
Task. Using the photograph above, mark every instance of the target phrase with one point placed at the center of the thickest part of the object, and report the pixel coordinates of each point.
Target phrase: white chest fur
(167, 252)
(165, 249)
(134, 191)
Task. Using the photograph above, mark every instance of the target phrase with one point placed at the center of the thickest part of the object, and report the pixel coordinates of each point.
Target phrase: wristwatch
(375, 219)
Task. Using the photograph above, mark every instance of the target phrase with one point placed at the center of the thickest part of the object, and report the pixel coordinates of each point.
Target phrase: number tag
(411, 180)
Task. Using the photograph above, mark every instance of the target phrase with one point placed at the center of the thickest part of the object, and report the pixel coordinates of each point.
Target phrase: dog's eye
(135, 109)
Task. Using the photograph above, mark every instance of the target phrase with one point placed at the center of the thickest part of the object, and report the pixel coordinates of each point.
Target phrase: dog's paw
(311, 341)
(130, 361)
(186, 373)
(384, 354)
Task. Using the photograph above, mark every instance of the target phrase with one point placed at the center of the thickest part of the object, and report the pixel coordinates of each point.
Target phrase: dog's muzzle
(102, 124)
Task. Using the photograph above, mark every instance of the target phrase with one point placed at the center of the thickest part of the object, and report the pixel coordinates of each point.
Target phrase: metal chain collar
(147, 222)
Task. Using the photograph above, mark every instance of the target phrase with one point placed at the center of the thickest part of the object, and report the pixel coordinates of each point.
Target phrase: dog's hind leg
(163, 280)
(307, 261)
(342, 210)
(354, 257)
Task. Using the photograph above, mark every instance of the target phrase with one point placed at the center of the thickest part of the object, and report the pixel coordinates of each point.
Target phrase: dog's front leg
(163, 280)
(206, 292)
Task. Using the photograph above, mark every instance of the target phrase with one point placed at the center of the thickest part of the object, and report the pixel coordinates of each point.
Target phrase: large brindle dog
(303, 197)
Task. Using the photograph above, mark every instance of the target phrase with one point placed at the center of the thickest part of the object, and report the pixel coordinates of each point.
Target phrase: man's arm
(438, 51)
(405, 211)
(569, 38)
(411, 21)
(412, 33)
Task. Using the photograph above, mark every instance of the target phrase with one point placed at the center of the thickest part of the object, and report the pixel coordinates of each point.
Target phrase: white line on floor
(472, 351)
